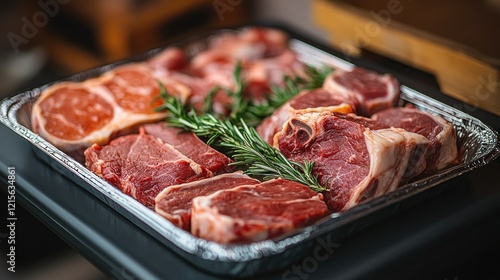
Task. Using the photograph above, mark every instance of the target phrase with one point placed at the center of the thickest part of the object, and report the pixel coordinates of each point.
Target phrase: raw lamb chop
(307, 101)
(174, 202)
(372, 91)
(257, 212)
(73, 116)
(247, 45)
(198, 89)
(191, 146)
(169, 59)
(134, 87)
(264, 55)
(443, 148)
(355, 162)
(417, 145)
(261, 75)
(141, 166)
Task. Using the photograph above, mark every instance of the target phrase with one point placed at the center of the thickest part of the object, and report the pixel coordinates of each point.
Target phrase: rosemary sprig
(209, 100)
(315, 76)
(239, 104)
(253, 113)
(242, 142)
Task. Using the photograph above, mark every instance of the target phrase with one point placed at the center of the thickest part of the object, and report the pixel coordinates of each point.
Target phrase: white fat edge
(195, 184)
(342, 108)
(395, 158)
(332, 86)
(414, 141)
(384, 159)
(208, 223)
(448, 139)
(197, 168)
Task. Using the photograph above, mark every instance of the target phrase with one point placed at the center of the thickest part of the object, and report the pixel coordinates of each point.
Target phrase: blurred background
(50, 39)
(46, 40)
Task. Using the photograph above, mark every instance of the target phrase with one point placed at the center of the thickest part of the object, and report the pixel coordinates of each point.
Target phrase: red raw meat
(257, 212)
(247, 45)
(262, 74)
(170, 59)
(134, 87)
(174, 202)
(191, 146)
(197, 91)
(73, 116)
(142, 166)
(355, 162)
(264, 55)
(372, 91)
(443, 140)
(317, 100)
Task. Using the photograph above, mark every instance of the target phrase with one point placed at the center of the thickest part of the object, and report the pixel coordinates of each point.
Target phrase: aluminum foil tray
(478, 145)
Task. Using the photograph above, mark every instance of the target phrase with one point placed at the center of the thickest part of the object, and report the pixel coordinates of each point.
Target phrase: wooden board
(461, 70)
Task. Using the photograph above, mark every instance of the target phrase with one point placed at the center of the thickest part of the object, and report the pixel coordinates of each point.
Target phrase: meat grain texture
(257, 212)
(141, 166)
(355, 162)
(174, 202)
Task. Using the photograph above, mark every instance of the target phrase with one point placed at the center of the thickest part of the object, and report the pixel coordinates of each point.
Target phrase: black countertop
(453, 234)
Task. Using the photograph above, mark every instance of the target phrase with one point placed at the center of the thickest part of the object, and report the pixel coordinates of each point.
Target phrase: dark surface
(454, 234)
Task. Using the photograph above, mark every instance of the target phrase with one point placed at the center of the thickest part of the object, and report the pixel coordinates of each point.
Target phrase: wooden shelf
(465, 67)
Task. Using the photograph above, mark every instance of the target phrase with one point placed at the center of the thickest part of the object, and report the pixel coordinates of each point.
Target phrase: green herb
(239, 104)
(315, 76)
(209, 100)
(242, 142)
(253, 113)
